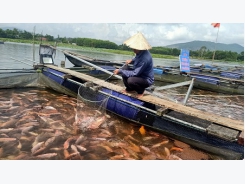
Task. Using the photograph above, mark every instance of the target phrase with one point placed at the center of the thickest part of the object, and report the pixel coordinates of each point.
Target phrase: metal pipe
(189, 91)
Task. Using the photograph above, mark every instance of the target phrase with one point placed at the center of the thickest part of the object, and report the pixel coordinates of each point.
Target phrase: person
(141, 75)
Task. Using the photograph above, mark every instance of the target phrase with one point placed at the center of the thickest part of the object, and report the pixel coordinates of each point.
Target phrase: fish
(159, 144)
(37, 146)
(49, 107)
(66, 154)
(39, 151)
(166, 150)
(9, 124)
(98, 138)
(80, 139)
(29, 124)
(96, 123)
(1, 152)
(116, 144)
(98, 112)
(145, 149)
(149, 157)
(26, 129)
(67, 142)
(49, 141)
(107, 148)
(74, 148)
(3, 135)
(6, 130)
(19, 145)
(47, 155)
(129, 137)
(7, 139)
(142, 130)
(81, 148)
(134, 147)
(176, 149)
(173, 157)
(116, 157)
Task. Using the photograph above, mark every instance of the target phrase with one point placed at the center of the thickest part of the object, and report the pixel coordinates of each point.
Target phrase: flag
(215, 24)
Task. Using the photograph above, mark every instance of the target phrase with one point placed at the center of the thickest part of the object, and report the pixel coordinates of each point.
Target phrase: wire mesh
(90, 109)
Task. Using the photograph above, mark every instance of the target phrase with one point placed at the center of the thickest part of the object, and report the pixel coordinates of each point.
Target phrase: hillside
(196, 45)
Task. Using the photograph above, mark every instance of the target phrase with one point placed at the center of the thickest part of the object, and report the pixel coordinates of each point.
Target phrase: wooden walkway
(227, 122)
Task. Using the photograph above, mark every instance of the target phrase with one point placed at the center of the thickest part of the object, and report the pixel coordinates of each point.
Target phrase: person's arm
(136, 72)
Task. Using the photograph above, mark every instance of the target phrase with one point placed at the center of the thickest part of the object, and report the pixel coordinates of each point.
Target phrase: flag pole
(215, 45)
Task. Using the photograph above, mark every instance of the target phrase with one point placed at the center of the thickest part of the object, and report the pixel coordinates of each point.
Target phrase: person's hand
(128, 61)
(116, 71)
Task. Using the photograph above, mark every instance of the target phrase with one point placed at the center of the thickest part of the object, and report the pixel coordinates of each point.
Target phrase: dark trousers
(135, 84)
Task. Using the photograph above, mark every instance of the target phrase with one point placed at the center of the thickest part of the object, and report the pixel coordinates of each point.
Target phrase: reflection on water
(25, 51)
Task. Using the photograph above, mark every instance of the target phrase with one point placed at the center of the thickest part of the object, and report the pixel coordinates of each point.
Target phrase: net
(91, 108)
(93, 103)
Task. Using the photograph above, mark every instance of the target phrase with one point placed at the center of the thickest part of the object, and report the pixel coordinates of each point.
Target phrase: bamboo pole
(215, 46)
(34, 44)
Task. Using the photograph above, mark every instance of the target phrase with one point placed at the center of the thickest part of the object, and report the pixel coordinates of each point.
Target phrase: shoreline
(122, 52)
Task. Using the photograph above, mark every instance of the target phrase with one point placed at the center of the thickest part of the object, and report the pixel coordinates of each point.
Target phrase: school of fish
(37, 124)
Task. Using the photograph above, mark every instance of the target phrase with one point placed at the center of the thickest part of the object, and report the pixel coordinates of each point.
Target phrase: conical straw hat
(138, 42)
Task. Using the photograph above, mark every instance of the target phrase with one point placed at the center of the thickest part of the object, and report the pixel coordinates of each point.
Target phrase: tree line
(202, 53)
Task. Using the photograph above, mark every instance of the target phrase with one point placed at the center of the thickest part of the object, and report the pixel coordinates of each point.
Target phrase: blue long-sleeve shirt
(142, 67)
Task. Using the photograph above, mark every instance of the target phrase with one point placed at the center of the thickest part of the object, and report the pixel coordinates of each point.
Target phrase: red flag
(215, 24)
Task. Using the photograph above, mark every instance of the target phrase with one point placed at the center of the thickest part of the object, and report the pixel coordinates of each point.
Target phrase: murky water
(39, 123)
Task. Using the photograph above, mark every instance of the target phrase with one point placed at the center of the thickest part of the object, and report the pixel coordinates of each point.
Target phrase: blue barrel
(121, 107)
(158, 71)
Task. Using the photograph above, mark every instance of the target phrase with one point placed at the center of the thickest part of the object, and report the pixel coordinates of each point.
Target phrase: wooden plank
(231, 123)
(223, 132)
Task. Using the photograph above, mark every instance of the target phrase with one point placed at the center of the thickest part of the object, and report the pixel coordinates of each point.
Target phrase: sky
(157, 34)
(161, 25)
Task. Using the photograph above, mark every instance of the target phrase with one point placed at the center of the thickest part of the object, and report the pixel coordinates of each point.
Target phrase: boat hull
(204, 79)
(196, 137)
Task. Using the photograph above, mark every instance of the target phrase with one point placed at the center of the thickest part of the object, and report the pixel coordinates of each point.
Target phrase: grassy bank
(66, 45)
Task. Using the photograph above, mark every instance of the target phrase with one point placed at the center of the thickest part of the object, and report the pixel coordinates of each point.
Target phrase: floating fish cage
(118, 103)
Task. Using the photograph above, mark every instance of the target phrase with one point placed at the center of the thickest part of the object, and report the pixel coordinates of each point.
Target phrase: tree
(202, 50)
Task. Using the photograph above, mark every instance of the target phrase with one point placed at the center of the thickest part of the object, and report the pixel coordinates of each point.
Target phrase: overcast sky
(162, 24)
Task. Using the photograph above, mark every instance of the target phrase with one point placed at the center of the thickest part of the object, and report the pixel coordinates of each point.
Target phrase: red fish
(142, 130)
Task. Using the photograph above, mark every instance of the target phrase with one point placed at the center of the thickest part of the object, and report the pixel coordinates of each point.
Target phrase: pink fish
(37, 146)
(173, 157)
(46, 155)
(67, 142)
(81, 148)
(5, 130)
(97, 123)
(7, 139)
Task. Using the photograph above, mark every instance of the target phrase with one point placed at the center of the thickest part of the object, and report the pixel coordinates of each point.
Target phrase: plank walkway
(227, 122)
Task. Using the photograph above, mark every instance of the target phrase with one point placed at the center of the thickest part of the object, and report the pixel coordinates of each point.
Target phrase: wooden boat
(211, 78)
(214, 134)
(210, 132)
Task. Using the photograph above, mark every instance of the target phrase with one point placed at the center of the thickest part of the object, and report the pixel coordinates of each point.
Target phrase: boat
(212, 78)
(203, 130)
(206, 131)
(1, 42)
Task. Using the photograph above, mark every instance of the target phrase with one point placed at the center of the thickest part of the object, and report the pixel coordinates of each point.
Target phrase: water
(227, 106)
